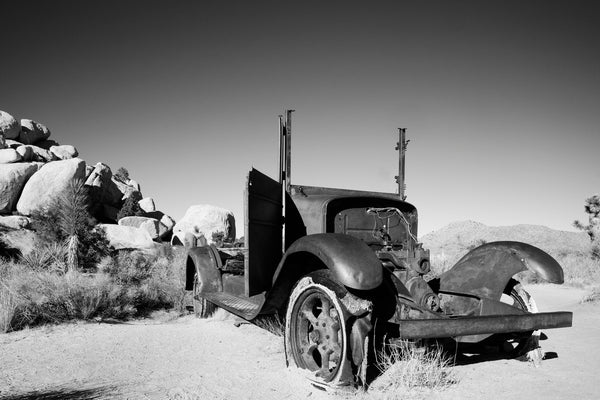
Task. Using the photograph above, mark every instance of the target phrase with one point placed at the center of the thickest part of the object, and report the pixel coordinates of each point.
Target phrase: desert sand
(189, 358)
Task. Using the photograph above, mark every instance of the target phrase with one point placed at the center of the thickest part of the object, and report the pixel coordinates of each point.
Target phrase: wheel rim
(519, 298)
(317, 337)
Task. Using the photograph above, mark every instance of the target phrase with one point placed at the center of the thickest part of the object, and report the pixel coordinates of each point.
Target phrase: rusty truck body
(346, 270)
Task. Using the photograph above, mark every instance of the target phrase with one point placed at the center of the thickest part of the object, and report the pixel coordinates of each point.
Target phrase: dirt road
(187, 358)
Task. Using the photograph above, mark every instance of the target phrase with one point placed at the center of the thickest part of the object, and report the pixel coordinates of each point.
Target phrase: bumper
(488, 324)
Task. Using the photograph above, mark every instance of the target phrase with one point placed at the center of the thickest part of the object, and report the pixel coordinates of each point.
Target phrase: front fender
(486, 270)
(206, 263)
(351, 261)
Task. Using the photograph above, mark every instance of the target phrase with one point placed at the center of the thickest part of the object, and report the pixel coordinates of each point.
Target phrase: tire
(202, 307)
(529, 344)
(318, 336)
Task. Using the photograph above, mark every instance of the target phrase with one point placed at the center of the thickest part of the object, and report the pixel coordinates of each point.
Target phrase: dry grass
(129, 285)
(271, 323)
(581, 270)
(593, 297)
(409, 371)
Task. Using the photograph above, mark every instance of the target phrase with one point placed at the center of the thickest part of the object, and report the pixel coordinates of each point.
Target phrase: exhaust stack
(401, 147)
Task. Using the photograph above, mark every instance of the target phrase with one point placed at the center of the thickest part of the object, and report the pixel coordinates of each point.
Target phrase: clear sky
(500, 98)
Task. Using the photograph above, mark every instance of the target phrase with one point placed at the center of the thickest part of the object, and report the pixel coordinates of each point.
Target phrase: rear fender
(351, 262)
(486, 270)
(206, 262)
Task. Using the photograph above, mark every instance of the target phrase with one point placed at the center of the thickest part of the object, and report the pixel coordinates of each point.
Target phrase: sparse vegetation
(592, 208)
(407, 368)
(122, 174)
(593, 297)
(126, 285)
(270, 323)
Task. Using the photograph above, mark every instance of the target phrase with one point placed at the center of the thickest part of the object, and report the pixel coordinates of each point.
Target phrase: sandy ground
(188, 358)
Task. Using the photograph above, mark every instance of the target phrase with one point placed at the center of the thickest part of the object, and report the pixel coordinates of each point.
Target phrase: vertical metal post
(281, 149)
(288, 148)
(285, 164)
(401, 147)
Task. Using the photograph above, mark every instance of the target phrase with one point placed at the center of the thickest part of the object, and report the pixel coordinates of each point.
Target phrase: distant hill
(451, 242)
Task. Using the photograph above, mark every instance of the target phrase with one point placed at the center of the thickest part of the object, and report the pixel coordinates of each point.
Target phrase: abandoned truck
(347, 271)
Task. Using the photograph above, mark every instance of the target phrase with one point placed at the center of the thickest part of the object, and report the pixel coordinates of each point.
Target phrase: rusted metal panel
(205, 262)
(351, 261)
(462, 326)
(263, 231)
(486, 270)
(318, 205)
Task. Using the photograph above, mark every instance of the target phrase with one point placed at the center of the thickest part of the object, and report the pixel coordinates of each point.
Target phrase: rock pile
(35, 171)
(200, 223)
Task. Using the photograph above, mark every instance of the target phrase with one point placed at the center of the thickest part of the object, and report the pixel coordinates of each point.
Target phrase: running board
(245, 307)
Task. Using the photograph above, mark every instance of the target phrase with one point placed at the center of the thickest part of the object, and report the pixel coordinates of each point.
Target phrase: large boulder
(64, 152)
(32, 132)
(127, 237)
(126, 189)
(9, 126)
(46, 144)
(13, 144)
(8, 156)
(26, 153)
(187, 239)
(150, 225)
(166, 223)
(39, 154)
(147, 204)
(49, 183)
(205, 220)
(12, 181)
(103, 188)
(14, 222)
(134, 184)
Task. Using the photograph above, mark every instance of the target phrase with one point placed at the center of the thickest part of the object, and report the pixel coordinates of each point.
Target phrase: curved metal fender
(486, 270)
(206, 262)
(351, 261)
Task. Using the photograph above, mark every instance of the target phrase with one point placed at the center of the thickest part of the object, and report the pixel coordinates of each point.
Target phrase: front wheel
(528, 345)
(317, 332)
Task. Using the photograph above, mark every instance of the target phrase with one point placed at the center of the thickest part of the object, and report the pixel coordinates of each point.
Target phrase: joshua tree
(68, 221)
(592, 208)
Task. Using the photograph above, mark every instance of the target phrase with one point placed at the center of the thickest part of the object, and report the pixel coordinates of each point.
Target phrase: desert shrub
(126, 285)
(49, 256)
(122, 174)
(580, 269)
(593, 297)
(153, 281)
(406, 367)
